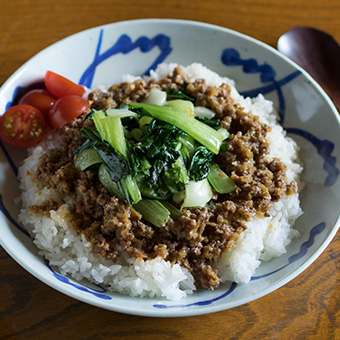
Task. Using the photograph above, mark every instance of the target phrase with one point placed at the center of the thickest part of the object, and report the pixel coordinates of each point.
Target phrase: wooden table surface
(306, 308)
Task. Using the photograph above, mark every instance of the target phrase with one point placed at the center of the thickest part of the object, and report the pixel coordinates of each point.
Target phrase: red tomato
(60, 86)
(22, 126)
(66, 109)
(39, 98)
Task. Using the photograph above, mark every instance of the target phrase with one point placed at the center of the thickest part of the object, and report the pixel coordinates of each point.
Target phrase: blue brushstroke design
(231, 57)
(316, 230)
(124, 45)
(199, 303)
(99, 290)
(4, 210)
(324, 148)
(9, 159)
(86, 289)
(59, 277)
(272, 87)
(19, 91)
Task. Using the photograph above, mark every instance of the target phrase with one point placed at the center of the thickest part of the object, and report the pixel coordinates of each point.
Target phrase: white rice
(71, 254)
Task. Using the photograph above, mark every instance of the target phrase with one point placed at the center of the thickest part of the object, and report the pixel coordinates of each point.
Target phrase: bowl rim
(178, 312)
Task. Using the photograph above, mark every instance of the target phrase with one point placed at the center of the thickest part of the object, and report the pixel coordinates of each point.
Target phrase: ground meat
(44, 208)
(198, 238)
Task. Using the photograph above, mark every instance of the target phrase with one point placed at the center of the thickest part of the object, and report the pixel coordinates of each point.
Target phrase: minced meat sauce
(198, 238)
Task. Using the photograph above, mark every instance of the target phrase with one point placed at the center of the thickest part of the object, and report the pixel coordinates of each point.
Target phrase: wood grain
(306, 308)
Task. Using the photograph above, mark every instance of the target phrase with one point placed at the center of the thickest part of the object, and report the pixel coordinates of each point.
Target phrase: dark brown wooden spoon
(318, 53)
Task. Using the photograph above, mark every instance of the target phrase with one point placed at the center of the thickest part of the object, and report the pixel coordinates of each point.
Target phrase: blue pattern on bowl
(230, 57)
(125, 45)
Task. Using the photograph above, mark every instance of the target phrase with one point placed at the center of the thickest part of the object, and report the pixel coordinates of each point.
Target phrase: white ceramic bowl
(102, 55)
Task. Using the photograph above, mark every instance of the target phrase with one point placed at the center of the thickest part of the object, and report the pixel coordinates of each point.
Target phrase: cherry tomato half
(39, 98)
(66, 109)
(60, 87)
(22, 126)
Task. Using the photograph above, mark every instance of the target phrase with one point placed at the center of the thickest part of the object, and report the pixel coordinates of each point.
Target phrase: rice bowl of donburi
(176, 190)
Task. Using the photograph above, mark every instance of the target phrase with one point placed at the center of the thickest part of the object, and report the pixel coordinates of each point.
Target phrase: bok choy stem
(203, 133)
(220, 181)
(153, 211)
(111, 130)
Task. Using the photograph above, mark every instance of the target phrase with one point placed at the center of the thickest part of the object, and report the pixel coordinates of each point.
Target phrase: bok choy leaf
(201, 132)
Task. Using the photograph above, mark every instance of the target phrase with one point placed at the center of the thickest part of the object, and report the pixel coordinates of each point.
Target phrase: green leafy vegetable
(153, 211)
(174, 212)
(156, 97)
(201, 132)
(200, 164)
(86, 159)
(196, 194)
(220, 181)
(204, 112)
(111, 129)
(114, 163)
(150, 154)
(92, 137)
(176, 94)
(90, 115)
(131, 189)
(214, 123)
(112, 187)
(157, 159)
(183, 106)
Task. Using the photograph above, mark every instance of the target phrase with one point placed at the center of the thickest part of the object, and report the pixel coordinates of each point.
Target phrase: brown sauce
(199, 237)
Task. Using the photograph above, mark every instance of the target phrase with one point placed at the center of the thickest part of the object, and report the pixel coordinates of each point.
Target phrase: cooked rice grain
(71, 254)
